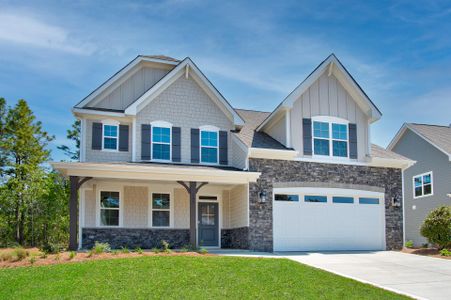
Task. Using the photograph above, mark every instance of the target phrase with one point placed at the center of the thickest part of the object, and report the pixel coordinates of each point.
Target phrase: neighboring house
(427, 184)
(165, 157)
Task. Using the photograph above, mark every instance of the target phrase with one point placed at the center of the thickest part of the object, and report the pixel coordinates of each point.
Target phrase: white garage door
(327, 219)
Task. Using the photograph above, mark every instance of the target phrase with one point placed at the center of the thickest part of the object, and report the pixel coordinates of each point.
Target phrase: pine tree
(74, 135)
(23, 145)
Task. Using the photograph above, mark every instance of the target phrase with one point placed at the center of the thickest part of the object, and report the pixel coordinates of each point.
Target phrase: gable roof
(252, 138)
(333, 65)
(186, 66)
(436, 135)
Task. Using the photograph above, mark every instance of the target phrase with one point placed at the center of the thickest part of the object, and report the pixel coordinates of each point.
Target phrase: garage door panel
(301, 226)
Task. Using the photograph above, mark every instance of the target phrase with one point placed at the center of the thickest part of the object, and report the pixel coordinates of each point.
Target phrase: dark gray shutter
(307, 136)
(353, 141)
(96, 136)
(123, 137)
(176, 144)
(223, 157)
(145, 141)
(195, 145)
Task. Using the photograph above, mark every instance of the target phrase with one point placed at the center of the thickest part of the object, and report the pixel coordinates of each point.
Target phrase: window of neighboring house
(109, 208)
(161, 143)
(110, 137)
(330, 139)
(209, 146)
(161, 210)
(286, 197)
(422, 185)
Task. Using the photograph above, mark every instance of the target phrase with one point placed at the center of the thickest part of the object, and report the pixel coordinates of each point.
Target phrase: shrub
(425, 245)
(20, 253)
(437, 227)
(115, 252)
(184, 249)
(90, 253)
(52, 248)
(155, 250)
(6, 256)
(32, 260)
(72, 254)
(139, 250)
(44, 255)
(165, 245)
(125, 250)
(409, 244)
(203, 251)
(57, 257)
(445, 252)
(100, 248)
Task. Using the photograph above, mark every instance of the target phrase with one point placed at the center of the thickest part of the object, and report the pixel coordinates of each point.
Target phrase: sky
(54, 53)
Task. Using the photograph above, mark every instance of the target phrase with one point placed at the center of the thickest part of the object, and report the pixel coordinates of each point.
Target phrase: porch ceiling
(156, 172)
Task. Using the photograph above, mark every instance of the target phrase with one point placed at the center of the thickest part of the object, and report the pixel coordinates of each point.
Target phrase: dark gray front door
(208, 224)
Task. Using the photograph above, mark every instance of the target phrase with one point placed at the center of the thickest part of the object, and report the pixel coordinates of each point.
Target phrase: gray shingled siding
(276, 171)
(428, 158)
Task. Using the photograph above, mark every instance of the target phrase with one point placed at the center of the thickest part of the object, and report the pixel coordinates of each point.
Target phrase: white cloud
(29, 31)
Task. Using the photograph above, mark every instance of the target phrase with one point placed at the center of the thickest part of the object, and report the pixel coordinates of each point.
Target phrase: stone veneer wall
(276, 171)
(133, 238)
(236, 238)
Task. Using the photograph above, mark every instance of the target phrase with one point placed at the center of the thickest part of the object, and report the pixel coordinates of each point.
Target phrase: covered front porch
(139, 205)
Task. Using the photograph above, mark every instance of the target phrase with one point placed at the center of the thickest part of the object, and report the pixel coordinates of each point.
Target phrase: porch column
(75, 184)
(192, 188)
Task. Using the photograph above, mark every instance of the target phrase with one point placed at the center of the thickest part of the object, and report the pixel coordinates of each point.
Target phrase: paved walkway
(413, 275)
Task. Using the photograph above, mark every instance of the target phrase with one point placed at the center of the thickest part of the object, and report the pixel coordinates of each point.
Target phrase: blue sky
(54, 53)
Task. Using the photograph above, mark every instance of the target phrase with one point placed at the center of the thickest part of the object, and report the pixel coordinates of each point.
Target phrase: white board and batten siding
(327, 97)
(319, 226)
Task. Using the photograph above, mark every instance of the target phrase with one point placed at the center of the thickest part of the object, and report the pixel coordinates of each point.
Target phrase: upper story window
(161, 140)
(422, 185)
(110, 136)
(330, 137)
(209, 152)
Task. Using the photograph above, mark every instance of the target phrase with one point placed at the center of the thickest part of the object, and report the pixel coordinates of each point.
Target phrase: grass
(181, 277)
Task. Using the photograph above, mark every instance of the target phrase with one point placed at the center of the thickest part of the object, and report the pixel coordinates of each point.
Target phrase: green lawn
(182, 277)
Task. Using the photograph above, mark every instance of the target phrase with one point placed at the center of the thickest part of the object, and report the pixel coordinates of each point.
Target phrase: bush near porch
(182, 277)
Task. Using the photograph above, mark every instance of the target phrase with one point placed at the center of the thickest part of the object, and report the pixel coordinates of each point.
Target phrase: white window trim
(330, 120)
(162, 124)
(110, 123)
(212, 129)
(422, 185)
(171, 209)
(98, 208)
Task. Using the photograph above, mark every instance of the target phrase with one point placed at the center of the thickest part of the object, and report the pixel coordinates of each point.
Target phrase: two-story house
(164, 156)
(427, 184)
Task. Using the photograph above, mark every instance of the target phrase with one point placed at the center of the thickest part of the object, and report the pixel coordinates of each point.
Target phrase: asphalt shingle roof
(435, 134)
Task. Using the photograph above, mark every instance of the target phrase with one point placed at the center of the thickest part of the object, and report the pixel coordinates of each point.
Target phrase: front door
(208, 224)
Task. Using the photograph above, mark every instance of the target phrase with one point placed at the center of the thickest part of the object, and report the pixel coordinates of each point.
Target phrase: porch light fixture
(395, 202)
(262, 196)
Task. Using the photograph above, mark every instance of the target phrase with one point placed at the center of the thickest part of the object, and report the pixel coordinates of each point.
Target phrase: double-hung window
(422, 185)
(209, 146)
(110, 137)
(161, 143)
(330, 139)
(161, 204)
(109, 208)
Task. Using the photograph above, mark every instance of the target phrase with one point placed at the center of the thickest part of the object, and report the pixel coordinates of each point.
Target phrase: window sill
(421, 197)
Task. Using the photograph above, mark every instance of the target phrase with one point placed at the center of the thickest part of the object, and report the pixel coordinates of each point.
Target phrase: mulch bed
(432, 252)
(64, 257)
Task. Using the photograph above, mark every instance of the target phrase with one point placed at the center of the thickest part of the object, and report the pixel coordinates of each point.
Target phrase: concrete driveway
(413, 275)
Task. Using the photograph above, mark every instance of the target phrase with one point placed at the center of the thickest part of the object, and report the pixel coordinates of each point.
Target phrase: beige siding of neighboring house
(278, 130)
(238, 207)
(135, 205)
(131, 86)
(106, 155)
(183, 104)
(327, 97)
(181, 208)
(90, 208)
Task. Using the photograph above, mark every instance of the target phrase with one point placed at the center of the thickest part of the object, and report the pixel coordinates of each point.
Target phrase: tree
(24, 149)
(74, 135)
(3, 111)
(437, 227)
